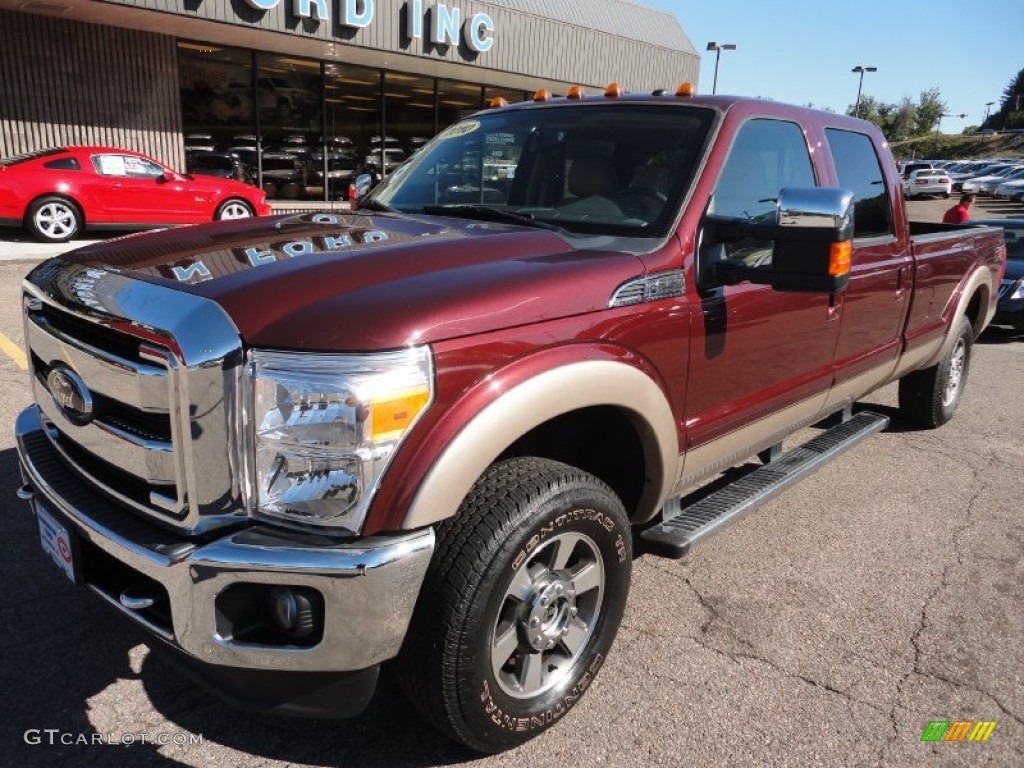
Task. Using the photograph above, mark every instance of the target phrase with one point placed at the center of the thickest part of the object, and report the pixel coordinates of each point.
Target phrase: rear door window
(860, 171)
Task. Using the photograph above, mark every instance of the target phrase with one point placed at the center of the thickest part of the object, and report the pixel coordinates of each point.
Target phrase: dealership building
(332, 82)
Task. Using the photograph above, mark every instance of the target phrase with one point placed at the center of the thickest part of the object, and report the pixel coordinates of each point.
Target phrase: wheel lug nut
(544, 600)
(534, 622)
(565, 631)
(558, 588)
(573, 611)
(538, 641)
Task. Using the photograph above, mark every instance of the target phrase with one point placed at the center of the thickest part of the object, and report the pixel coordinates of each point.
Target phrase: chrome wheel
(957, 362)
(55, 220)
(547, 615)
(234, 209)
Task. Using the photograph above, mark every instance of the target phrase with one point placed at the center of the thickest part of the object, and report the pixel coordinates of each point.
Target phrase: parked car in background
(56, 193)
(989, 186)
(977, 183)
(966, 182)
(927, 181)
(906, 167)
(1009, 190)
(1010, 310)
(222, 165)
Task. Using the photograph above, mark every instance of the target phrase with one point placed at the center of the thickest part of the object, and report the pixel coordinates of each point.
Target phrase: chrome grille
(162, 369)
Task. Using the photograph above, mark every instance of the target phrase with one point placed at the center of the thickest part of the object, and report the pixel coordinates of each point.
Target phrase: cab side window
(768, 155)
(860, 171)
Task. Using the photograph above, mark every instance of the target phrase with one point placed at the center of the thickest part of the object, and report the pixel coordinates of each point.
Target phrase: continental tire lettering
(577, 514)
(542, 720)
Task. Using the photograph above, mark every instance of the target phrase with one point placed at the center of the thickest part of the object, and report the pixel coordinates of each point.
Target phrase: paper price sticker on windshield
(460, 129)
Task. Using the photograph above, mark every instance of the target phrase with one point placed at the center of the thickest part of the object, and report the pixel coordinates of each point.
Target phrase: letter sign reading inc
(445, 30)
(478, 33)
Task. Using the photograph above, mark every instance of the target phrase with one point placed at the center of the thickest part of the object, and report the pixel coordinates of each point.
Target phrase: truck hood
(354, 282)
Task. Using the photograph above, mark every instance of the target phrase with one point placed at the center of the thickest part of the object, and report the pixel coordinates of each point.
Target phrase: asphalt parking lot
(827, 628)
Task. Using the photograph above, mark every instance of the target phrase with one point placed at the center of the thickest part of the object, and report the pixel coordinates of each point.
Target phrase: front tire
(234, 209)
(930, 397)
(520, 605)
(53, 219)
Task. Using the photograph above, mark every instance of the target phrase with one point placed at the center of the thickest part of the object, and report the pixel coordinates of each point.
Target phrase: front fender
(513, 405)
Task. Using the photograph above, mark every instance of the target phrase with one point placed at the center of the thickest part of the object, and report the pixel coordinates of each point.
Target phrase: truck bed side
(950, 260)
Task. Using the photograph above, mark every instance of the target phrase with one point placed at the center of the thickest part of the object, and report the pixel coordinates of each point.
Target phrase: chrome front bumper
(369, 587)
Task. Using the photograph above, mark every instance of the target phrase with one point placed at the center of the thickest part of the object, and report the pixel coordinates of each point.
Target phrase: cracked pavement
(826, 628)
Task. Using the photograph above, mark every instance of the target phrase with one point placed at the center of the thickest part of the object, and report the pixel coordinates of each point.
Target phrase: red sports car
(56, 193)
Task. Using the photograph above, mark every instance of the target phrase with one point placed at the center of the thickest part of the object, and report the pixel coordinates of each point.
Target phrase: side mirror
(812, 242)
(360, 187)
(167, 176)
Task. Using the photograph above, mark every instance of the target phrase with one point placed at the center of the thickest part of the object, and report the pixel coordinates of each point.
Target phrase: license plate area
(59, 542)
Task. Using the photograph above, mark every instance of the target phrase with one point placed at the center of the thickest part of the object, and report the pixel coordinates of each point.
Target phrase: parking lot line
(14, 352)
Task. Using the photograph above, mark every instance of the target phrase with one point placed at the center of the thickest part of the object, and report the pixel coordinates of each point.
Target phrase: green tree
(929, 111)
(1011, 108)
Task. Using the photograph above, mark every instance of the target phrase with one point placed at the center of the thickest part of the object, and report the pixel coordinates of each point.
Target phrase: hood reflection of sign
(196, 271)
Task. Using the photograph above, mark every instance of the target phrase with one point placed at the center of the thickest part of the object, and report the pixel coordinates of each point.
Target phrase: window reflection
(301, 128)
(216, 106)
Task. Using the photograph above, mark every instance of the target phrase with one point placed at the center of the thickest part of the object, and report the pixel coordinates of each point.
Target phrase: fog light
(292, 610)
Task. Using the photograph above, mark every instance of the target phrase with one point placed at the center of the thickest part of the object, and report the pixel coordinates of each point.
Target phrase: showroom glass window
(216, 98)
(861, 173)
(456, 100)
(288, 95)
(352, 115)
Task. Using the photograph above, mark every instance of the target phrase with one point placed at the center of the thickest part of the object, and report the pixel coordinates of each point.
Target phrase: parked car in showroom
(222, 165)
(57, 193)
(284, 175)
(927, 181)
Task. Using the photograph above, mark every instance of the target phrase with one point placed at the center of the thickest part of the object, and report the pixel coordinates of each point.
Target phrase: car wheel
(520, 605)
(930, 397)
(945, 195)
(53, 219)
(234, 209)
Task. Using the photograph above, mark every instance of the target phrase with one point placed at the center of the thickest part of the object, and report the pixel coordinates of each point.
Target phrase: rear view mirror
(812, 242)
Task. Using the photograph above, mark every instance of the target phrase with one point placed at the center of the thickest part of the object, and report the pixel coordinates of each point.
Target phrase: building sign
(441, 23)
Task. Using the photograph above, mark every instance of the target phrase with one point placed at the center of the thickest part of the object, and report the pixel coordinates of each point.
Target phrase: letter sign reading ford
(443, 22)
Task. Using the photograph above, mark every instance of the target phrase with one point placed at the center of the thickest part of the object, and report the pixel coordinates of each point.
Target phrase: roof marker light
(659, 92)
(542, 94)
(498, 101)
(685, 89)
(613, 91)
(576, 92)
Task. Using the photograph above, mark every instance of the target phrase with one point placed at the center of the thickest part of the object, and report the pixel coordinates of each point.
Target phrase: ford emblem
(71, 395)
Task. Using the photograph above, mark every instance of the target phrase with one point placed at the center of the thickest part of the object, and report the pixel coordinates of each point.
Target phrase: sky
(802, 51)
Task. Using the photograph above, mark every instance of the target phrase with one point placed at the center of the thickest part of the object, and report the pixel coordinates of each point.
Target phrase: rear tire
(520, 605)
(930, 397)
(53, 219)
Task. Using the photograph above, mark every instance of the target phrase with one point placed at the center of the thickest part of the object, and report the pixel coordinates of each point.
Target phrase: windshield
(612, 169)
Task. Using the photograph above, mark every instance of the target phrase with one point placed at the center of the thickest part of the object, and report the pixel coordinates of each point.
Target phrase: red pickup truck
(437, 429)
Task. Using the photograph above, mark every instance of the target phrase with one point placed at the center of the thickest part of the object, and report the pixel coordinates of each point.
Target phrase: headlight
(1018, 291)
(323, 428)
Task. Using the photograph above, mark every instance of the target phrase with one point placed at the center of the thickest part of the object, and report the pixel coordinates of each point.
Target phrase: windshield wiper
(489, 213)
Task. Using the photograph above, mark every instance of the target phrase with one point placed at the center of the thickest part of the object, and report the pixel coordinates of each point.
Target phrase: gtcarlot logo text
(54, 736)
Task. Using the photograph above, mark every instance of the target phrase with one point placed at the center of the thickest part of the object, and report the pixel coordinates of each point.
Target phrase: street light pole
(860, 84)
(718, 48)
